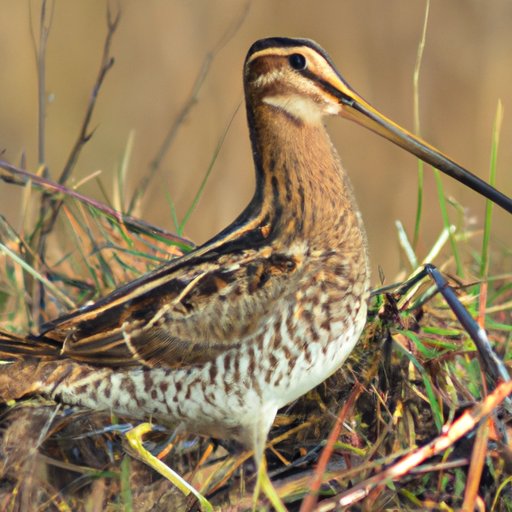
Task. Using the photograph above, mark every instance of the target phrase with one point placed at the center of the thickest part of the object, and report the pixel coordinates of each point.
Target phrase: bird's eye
(297, 61)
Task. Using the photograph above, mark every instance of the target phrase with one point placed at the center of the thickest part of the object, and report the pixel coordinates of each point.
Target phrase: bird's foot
(263, 484)
(134, 438)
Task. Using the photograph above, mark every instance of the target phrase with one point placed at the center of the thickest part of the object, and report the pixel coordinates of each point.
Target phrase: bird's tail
(24, 363)
(16, 347)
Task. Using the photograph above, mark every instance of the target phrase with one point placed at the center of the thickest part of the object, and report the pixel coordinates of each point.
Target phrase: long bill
(357, 109)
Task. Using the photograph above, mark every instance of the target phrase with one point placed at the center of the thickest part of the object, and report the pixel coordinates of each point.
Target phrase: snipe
(220, 339)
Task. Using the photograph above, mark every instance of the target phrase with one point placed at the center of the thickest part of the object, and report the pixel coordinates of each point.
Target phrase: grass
(410, 422)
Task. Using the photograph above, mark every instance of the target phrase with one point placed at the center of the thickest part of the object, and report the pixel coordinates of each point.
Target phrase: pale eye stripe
(315, 61)
(268, 78)
(281, 52)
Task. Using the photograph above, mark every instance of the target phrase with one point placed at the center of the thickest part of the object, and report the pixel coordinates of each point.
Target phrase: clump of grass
(408, 423)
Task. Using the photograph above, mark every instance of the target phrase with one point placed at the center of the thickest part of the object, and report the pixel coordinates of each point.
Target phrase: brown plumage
(221, 338)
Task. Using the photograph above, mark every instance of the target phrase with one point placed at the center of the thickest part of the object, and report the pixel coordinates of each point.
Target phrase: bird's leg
(263, 483)
(134, 438)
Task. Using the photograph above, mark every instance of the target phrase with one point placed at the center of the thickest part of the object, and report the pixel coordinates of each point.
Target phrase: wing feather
(185, 316)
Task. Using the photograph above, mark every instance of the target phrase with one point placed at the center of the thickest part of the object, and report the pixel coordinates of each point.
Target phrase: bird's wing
(183, 313)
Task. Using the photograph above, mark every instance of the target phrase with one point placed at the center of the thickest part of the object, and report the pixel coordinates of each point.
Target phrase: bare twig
(169, 138)
(107, 61)
(45, 21)
(49, 204)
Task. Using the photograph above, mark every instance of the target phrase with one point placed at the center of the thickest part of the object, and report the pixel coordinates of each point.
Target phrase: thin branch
(107, 61)
(49, 206)
(45, 22)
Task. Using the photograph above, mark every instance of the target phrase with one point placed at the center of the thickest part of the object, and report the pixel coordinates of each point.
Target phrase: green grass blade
(122, 173)
(406, 245)
(446, 222)
(48, 284)
(174, 215)
(126, 492)
(200, 190)
(416, 99)
(429, 390)
(484, 263)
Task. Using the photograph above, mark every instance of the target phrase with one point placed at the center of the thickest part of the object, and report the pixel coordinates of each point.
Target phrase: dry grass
(415, 378)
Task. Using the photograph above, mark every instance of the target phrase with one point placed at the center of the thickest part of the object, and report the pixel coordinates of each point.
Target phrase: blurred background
(159, 49)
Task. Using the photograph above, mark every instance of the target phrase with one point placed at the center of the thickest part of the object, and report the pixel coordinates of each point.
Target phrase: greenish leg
(263, 484)
(134, 438)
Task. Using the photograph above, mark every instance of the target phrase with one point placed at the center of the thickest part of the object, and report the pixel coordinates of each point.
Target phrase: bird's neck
(302, 191)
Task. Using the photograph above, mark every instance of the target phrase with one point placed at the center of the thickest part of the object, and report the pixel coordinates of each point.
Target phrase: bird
(218, 340)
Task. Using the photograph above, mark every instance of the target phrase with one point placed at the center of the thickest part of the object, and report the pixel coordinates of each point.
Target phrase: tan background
(159, 48)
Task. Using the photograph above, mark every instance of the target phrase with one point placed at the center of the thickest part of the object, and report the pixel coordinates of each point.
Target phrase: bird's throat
(297, 170)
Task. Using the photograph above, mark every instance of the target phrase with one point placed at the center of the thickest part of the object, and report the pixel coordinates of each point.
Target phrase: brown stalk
(310, 500)
(450, 434)
(476, 466)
